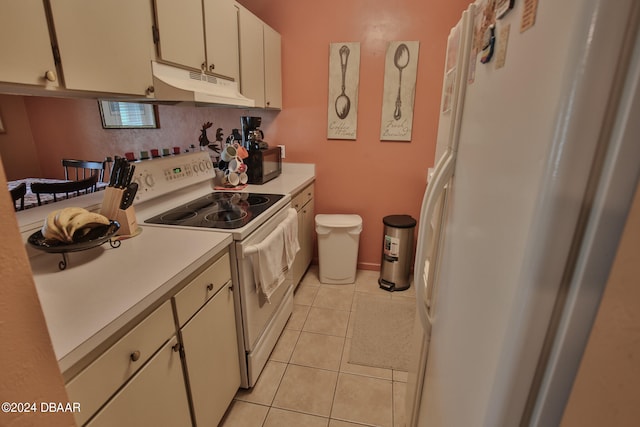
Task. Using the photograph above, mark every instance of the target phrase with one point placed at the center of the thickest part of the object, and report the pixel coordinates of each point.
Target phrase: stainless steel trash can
(397, 252)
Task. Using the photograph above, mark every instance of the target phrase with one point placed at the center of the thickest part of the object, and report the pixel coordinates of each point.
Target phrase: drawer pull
(230, 287)
(210, 287)
(176, 347)
(135, 356)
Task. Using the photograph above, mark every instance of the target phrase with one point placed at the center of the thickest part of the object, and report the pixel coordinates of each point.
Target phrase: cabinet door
(105, 46)
(251, 56)
(308, 232)
(181, 32)
(221, 29)
(298, 268)
(272, 68)
(25, 46)
(155, 396)
(211, 358)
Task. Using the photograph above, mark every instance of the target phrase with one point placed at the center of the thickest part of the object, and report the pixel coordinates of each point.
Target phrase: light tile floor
(308, 380)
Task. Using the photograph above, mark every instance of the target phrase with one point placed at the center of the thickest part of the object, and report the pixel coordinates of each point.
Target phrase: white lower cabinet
(211, 358)
(120, 365)
(206, 317)
(155, 396)
(304, 204)
(177, 366)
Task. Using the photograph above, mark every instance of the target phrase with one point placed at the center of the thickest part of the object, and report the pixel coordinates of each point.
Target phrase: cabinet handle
(268, 103)
(176, 347)
(212, 67)
(50, 75)
(135, 356)
(230, 287)
(150, 90)
(210, 287)
(203, 67)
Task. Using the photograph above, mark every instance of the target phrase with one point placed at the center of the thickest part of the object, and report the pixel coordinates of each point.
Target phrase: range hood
(173, 84)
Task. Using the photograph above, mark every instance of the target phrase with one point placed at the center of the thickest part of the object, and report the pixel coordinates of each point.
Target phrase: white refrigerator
(537, 160)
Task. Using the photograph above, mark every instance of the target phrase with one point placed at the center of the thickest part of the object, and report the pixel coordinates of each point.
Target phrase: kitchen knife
(118, 169)
(128, 195)
(114, 172)
(122, 175)
(129, 178)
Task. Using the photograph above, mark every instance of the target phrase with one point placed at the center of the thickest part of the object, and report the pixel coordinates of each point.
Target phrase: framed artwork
(344, 78)
(401, 66)
(502, 7)
(127, 115)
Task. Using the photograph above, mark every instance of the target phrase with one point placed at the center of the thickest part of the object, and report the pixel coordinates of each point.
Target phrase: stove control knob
(148, 179)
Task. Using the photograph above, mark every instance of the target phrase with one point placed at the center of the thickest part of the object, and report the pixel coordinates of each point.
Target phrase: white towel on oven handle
(290, 229)
(274, 256)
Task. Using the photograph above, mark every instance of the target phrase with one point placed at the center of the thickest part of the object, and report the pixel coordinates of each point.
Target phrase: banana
(64, 217)
(83, 220)
(50, 230)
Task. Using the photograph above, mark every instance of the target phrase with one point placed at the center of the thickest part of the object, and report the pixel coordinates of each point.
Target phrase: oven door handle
(249, 250)
(292, 215)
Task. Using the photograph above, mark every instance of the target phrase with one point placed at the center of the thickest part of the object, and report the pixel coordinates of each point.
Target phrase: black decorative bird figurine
(204, 141)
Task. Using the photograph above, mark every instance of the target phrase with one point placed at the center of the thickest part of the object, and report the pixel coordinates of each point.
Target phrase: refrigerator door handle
(440, 178)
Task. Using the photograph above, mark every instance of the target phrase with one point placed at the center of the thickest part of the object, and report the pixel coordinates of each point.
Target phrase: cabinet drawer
(96, 383)
(197, 293)
(155, 396)
(303, 197)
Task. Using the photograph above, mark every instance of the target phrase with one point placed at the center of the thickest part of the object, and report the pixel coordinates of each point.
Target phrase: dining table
(31, 200)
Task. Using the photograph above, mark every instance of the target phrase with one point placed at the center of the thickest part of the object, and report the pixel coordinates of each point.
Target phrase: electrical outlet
(282, 150)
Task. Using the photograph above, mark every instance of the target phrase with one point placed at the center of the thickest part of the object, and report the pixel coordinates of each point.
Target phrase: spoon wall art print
(344, 70)
(401, 65)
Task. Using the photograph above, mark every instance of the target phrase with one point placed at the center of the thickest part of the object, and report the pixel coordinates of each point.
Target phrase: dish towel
(275, 255)
(291, 244)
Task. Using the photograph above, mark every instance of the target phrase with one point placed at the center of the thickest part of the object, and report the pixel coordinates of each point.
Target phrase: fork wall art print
(401, 65)
(344, 74)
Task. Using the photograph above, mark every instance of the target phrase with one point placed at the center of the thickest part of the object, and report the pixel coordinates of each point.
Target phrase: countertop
(104, 289)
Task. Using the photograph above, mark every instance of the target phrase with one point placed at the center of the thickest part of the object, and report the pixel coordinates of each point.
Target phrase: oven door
(262, 322)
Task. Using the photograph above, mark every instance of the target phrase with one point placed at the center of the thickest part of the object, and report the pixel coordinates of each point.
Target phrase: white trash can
(338, 240)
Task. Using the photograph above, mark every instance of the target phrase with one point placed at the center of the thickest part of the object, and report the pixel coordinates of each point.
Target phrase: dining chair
(18, 193)
(81, 169)
(87, 185)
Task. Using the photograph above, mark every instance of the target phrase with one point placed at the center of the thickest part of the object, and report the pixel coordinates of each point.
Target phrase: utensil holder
(111, 209)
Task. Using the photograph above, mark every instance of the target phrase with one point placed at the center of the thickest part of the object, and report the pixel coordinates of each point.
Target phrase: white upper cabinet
(25, 46)
(105, 46)
(251, 56)
(200, 34)
(272, 68)
(221, 38)
(181, 32)
(260, 60)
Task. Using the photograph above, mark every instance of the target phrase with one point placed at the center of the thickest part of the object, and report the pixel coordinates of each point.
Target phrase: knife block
(127, 220)
(111, 209)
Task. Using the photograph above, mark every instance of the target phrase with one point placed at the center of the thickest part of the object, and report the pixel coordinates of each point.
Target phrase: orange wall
(17, 147)
(366, 176)
(64, 128)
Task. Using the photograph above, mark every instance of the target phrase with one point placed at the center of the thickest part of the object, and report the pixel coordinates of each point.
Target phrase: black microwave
(263, 165)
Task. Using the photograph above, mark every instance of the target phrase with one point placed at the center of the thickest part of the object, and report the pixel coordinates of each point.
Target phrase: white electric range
(179, 192)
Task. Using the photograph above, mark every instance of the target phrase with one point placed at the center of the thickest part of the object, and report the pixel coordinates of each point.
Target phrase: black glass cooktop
(226, 210)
